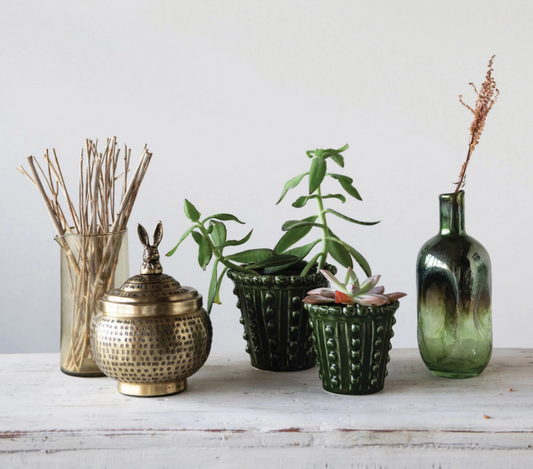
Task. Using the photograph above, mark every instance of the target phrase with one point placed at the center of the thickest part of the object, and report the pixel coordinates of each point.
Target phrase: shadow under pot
(352, 344)
(276, 326)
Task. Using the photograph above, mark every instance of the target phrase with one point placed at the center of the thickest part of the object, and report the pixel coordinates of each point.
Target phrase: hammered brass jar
(151, 334)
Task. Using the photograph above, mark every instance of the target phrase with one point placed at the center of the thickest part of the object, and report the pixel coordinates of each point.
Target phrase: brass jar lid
(151, 293)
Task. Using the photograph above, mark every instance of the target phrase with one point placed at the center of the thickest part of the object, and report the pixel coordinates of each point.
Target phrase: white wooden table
(235, 416)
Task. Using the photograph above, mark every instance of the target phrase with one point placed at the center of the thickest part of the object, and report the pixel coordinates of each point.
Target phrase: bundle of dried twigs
(92, 257)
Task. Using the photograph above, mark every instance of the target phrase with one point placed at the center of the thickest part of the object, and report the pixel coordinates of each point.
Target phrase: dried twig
(38, 184)
(91, 259)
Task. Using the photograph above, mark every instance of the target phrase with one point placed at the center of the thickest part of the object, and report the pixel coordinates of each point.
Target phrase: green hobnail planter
(276, 326)
(352, 344)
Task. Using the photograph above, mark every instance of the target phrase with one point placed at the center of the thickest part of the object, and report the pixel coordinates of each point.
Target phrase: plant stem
(218, 256)
(325, 230)
(307, 268)
(463, 169)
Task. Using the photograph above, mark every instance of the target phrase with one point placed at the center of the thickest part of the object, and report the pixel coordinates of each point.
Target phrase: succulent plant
(352, 291)
(210, 233)
(328, 243)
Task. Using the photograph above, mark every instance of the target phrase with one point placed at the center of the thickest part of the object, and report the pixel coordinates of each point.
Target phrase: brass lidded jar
(151, 334)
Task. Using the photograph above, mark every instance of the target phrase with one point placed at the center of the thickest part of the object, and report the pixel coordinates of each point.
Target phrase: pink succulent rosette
(352, 292)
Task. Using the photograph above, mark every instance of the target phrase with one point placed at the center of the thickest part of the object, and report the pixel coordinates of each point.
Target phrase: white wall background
(229, 94)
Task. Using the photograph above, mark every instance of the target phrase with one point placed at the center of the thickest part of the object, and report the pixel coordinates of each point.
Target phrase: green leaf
(219, 233)
(224, 217)
(302, 251)
(335, 196)
(363, 263)
(304, 199)
(290, 185)
(282, 259)
(278, 268)
(351, 220)
(293, 236)
(292, 224)
(197, 236)
(346, 184)
(310, 153)
(301, 201)
(331, 151)
(217, 291)
(252, 255)
(212, 287)
(317, 173)
(350, 189)
(351, 277)
(298, 254)
(340, 150)
(187, 233)
(191, 212)
(204, 253)
(339, 252)
(344, 148)
(339, 159)
(236, 243)
(311, 264)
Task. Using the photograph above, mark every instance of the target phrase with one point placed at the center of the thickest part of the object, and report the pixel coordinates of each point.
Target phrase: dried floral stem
(91, 259)
(486, 98)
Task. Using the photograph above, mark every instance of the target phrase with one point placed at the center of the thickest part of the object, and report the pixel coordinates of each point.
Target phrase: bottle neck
(452, 213)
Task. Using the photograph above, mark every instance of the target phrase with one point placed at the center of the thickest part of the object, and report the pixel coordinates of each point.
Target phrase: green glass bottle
(454, 297)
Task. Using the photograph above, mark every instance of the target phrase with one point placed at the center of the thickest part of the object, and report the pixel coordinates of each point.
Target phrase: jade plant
(352, 291)
(210, 233)
(329, 243)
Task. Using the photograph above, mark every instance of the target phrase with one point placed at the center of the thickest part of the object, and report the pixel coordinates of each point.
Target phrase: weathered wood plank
(232, 412)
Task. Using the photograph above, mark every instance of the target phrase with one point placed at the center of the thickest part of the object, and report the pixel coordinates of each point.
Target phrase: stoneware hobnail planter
(276, 326)
(352, 344)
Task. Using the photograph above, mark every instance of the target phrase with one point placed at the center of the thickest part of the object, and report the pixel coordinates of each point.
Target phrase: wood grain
(233, 415)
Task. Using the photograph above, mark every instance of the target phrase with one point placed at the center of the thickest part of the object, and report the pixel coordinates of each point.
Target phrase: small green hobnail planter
(276, 326)
(352, 345)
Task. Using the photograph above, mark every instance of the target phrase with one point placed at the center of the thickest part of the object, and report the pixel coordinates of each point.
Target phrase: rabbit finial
(151, 264)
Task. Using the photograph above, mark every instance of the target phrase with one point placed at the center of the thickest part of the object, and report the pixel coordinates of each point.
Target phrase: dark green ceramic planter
(276, 326)
(352, 344)
(454, 297)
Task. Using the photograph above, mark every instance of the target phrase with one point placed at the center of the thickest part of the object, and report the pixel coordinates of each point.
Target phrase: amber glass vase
(90, 266)
(454, 297)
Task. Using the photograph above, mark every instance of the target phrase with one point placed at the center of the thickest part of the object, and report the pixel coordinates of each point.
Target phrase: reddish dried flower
(486, 98)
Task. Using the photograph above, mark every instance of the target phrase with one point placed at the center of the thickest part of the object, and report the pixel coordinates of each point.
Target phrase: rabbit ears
(143, 235)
